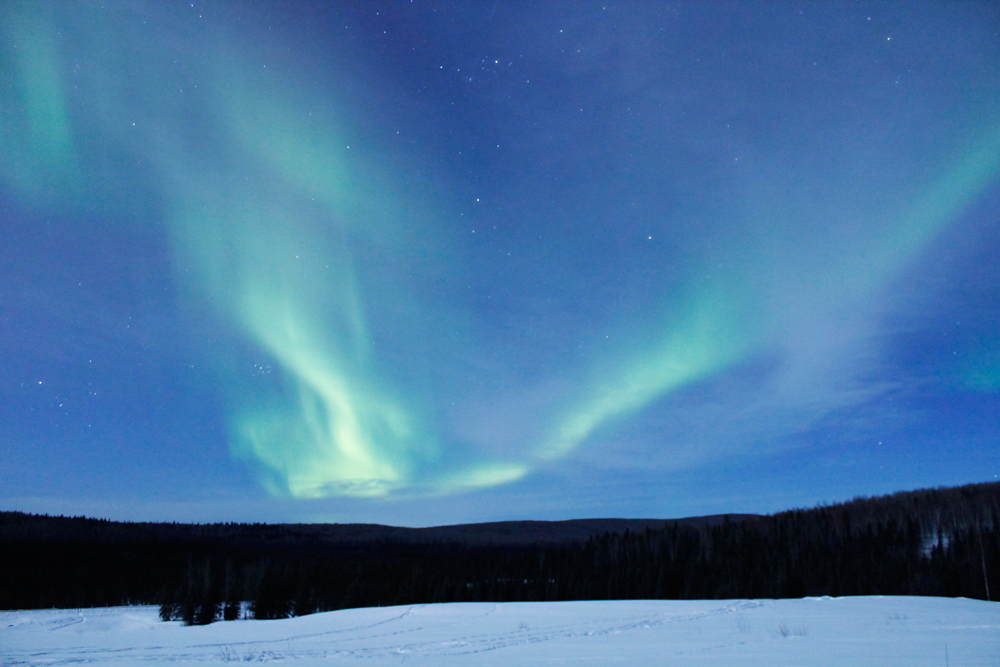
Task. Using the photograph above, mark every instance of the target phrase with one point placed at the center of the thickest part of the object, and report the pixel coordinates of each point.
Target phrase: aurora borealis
(422, 263)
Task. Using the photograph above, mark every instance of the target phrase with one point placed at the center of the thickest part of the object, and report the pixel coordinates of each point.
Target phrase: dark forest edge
(941, 542)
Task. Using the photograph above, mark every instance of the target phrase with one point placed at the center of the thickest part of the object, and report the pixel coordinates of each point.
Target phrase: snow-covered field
(814, 631)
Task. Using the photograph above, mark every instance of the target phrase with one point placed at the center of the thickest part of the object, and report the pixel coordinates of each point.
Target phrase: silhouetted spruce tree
(209, 605)
(273, 598)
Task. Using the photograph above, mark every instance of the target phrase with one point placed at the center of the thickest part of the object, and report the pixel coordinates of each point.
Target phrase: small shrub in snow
(229, 654)
(798, 631)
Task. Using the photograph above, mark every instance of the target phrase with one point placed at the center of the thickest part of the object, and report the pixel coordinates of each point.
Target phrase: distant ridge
(523, 533)
(316, 535)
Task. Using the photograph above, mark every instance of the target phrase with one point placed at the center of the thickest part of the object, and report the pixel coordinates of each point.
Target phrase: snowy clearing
(813, 631)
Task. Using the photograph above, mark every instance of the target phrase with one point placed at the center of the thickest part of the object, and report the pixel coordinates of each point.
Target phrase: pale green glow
(276, 255)
(987, 377)
(301, 146)
(264, 259)
(483, 475)
(36, 135)
(984, 373)
(716, 334)
(937, 207)
(340, 437)
(701, 343)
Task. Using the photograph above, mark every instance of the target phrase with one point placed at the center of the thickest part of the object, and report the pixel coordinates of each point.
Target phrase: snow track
(814, 631)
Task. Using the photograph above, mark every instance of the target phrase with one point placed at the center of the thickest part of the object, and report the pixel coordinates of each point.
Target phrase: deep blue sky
(423, 262)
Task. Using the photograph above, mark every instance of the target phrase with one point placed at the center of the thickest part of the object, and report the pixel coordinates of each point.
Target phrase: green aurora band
(272, 219)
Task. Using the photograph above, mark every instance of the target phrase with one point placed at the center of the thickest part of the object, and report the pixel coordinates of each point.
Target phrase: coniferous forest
(943, 542)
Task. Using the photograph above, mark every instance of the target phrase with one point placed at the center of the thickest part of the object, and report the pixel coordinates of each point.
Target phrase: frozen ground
(814, 631)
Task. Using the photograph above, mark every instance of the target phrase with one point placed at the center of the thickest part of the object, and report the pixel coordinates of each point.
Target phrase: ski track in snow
(811, 631)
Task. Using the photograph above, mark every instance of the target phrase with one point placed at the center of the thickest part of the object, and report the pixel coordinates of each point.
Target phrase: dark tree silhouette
(934, 542)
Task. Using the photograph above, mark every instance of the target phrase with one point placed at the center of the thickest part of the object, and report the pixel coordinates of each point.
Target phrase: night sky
(422, 263)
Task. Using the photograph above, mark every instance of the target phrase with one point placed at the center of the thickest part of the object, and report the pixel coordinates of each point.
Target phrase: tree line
(943, 542)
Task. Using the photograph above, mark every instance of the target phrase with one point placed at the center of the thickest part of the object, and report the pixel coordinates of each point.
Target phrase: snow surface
(813, 631)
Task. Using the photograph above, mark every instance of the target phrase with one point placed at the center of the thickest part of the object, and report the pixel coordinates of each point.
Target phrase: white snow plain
(813, 631)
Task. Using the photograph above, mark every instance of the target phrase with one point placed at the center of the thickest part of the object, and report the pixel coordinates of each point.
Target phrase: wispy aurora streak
(277, 255)
(283, 228)
(725, 320)
(280, 257)
(36, 144)
(302, 307)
